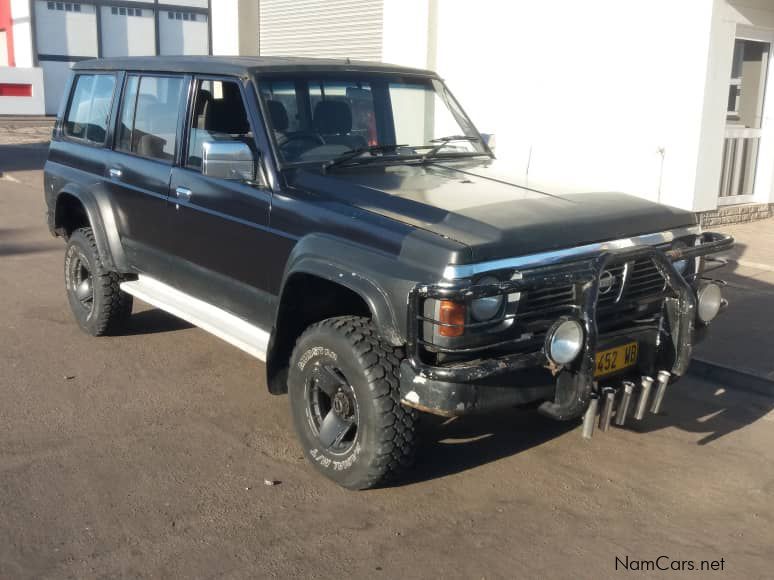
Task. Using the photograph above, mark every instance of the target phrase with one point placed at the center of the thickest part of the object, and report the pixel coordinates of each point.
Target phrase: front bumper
(489, 383)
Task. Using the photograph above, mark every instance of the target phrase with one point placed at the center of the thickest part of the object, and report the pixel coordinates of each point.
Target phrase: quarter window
(87, 117)
(149, 116)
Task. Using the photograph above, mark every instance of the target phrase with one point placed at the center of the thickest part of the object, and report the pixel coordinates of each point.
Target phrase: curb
(734, 378)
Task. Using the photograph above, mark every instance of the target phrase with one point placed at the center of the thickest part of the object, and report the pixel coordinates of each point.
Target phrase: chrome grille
(645, 280)
(626, 282)
(543, 300)
(610, 292)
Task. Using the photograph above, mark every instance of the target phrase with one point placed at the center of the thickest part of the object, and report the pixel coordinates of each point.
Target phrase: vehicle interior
(315, 119)
(218, 115)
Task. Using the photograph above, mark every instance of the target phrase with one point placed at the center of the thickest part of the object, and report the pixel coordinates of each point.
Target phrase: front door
(220, 225)
(744, 121)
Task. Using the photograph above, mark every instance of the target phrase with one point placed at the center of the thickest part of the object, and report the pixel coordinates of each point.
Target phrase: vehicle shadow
(699, 406)
(23, 157)
(153, 321)
(456, 445)
(12, 243)
(449, 446)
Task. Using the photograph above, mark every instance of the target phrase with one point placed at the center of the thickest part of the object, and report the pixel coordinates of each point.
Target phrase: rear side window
(89, 111)
(149, 115)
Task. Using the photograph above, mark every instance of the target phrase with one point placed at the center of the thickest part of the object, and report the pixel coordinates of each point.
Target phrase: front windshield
(316, 118)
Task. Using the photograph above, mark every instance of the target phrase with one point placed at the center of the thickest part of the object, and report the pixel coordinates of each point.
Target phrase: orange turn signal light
(452, 313)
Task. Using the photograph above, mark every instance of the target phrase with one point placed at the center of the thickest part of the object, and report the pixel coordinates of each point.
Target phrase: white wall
(66, 33)
(56, 74)
(22, 33)
(234, 27)
(3, 48)
(128, 35)
(225, 27)
(408, 32)
(584, 94)
(182, 36)
(34, 105)
(195, 3)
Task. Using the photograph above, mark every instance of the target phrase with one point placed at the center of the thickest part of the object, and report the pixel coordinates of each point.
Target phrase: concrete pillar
(235, 27)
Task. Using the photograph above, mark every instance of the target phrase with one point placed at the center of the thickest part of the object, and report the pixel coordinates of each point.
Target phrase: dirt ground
(145, 455)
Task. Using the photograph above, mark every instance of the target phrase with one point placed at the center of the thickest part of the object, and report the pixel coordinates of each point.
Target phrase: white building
(52, 36)
(666, 99)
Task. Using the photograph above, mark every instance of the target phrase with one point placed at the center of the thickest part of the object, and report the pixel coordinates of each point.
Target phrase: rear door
(221, 225)
(78, 153)
(138, 173)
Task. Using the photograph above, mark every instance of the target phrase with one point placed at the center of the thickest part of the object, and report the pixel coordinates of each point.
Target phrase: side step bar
(234, 330)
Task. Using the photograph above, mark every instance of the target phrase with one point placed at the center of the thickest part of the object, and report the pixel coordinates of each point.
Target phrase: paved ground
(19, 130)
(144, 455)
(742, 340)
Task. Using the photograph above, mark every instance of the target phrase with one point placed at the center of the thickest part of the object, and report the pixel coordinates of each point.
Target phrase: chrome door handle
(183, 193)
(115, 172)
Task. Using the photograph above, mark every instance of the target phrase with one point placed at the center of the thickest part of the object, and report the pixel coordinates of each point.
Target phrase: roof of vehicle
(242, 65)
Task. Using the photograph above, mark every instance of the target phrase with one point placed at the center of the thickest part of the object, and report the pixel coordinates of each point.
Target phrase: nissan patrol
(346, 223)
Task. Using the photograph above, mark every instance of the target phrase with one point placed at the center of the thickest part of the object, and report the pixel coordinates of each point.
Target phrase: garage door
(321, 28)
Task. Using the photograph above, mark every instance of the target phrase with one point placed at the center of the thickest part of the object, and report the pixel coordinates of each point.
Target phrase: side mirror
(489, 140)
(228, 160)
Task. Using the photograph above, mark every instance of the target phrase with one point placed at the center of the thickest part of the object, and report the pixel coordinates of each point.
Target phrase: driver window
(218, 115)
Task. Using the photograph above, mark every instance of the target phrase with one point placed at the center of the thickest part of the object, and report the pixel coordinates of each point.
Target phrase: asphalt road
(145, 455)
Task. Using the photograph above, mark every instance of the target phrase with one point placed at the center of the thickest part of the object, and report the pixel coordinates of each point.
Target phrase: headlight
(564, 341)
(680, 265)
(486, 308)
(710, 300)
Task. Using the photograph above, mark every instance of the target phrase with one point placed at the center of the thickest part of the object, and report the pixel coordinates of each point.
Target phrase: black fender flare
(101, 216)
(343, 262)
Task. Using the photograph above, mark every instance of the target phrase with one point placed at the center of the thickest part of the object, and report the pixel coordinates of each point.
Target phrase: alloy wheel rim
(82, 282)
(332, 409)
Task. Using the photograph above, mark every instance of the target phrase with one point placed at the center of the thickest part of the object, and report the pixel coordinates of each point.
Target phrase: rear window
(149, 115)
(89, 111)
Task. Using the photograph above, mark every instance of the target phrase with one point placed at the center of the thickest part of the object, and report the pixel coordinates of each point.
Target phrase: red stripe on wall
(15, 90)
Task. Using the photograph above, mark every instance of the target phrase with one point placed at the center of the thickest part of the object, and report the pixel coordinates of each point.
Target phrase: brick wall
(737, 214)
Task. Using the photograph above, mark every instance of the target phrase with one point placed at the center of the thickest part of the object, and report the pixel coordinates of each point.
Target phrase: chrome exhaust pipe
(642, 402)
(590, 416)
(626, 399)
(608, 401)
(663, 382)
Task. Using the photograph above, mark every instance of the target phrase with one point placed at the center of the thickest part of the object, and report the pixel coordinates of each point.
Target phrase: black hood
(495, 216)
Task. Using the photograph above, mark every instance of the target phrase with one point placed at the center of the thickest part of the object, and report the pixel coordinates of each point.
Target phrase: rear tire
(343, 387)
(98, 303)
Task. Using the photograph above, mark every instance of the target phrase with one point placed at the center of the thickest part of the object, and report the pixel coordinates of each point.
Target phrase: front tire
(98, 303)
(343, 386)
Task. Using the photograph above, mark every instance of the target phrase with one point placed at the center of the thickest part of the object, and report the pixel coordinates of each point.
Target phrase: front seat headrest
(332, 118)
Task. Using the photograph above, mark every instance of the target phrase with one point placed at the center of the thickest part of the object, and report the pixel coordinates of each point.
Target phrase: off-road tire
(111, 307)
(385, 439)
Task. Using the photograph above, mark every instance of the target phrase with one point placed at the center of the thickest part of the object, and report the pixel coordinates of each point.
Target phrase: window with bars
(64, 6)
(188, 16)
(125, 11)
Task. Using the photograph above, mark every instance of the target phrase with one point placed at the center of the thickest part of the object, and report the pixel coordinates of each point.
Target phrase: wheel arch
(75, 208)
(336, 290)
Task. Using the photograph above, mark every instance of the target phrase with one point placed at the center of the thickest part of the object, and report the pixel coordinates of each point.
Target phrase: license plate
(616, 359)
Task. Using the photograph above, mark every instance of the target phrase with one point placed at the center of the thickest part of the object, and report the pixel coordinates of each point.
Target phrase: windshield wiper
(443, 142)
(350, 155)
